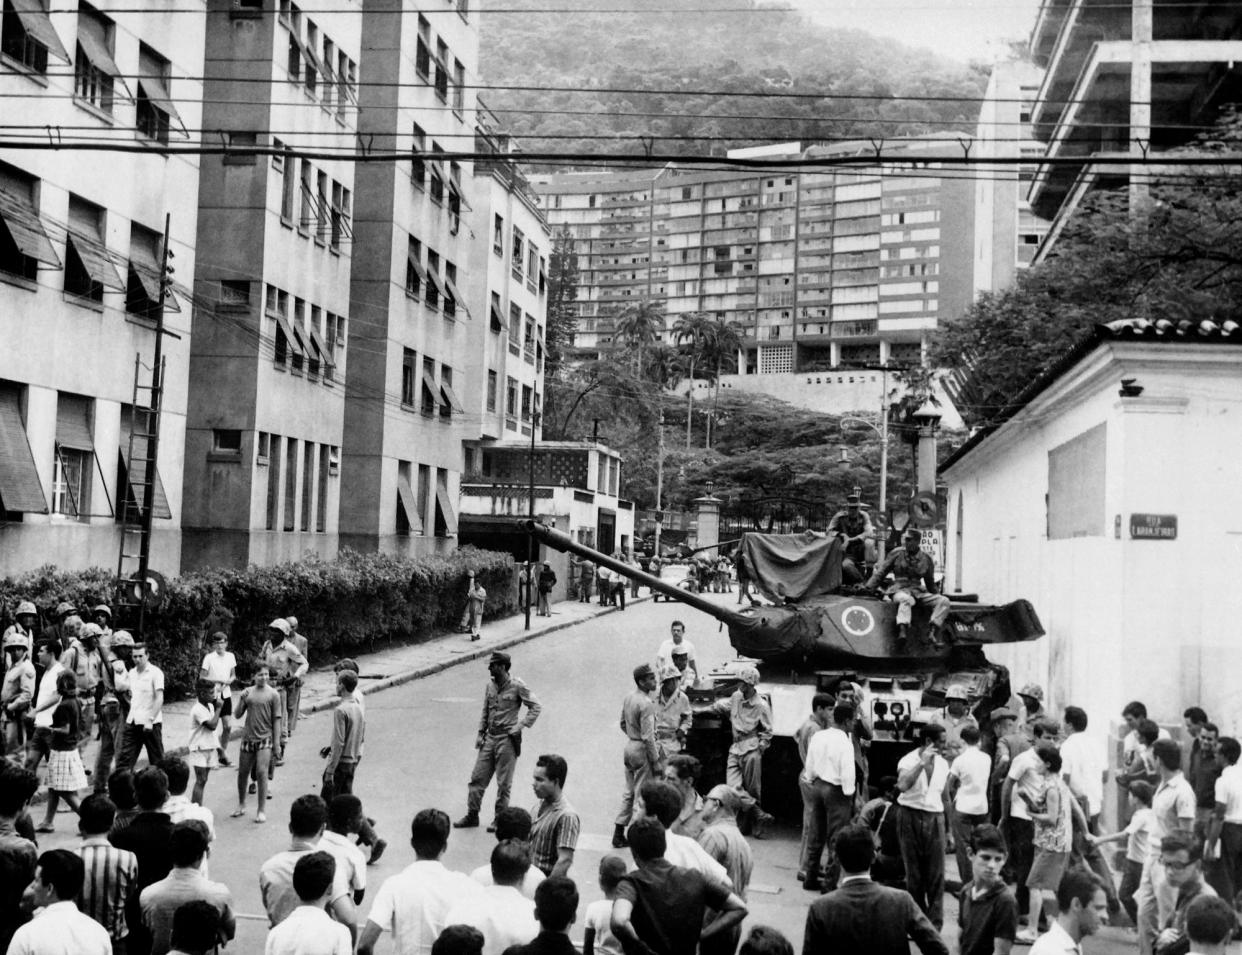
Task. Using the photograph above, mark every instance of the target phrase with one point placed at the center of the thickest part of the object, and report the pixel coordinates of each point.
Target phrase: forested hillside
(736, 46)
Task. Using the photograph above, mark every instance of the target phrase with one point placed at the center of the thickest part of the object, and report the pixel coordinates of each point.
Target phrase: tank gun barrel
(563, 542)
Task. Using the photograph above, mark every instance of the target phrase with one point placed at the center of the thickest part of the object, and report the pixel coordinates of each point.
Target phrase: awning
(22, 220)
(498, 321)
(20, 488)
(294, 341)
(446, 511)
(38, 25)
(136, 481)
(437, 166)
(437, 281)
(318, 345)
(313, 56)
(300, 339)
(156, 92)
(450, 397)
(147, 278)
(418, 267)
(405, 496)
(456, 295)
(429, 394)
(73, 424)
(95, 51)
(96, 261)
(455, 188)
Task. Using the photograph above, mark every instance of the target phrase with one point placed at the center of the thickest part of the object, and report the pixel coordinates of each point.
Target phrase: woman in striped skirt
(65, 774)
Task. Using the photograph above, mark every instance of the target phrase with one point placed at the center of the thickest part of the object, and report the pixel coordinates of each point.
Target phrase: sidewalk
(401, 664)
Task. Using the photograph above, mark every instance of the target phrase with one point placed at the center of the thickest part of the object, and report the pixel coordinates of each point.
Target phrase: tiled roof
(1162, 330)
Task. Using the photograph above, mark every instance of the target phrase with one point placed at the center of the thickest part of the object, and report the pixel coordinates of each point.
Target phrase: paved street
(419, 754)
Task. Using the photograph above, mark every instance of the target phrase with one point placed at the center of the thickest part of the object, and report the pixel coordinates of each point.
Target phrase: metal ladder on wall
(135, 524)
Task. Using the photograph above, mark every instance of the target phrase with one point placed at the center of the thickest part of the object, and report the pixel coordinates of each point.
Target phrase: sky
(960, 29)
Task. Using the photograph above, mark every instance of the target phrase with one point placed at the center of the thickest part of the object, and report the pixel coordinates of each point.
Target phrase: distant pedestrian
(673, 717)
(676, 641)
(750, 719)
(344, 750)
(344, 818)
(65, 775)
(968, 791)
(863, 916)
(476, 598)
(58, 927)
(1173, 812)
(499, 739)
(598, 939)
(683, 771)
(81, 658)
(294, 697)
(642, 755)
(16, 695)
(556, 826)
(633, 563)
(831, 781)
(114, 702)
(204, 746)
(586, 581)
(47, 698)
(220, 668)
(1053, 837)
(178, 805)
(547, 580)
(144, 726)
(261, 707)
(101, 616)
(525, 587)
(723, 841)
(25, 626)
(286, 665)
(308, 929)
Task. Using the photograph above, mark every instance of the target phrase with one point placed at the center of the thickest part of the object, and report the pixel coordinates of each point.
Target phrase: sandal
(46, 827)
(238, 812)
(1025, 938)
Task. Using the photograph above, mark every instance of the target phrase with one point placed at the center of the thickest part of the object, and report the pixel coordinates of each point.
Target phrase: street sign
(932, 544)
(1160, 527)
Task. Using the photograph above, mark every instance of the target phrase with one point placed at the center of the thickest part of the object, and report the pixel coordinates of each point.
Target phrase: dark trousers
(342, 784)
(922, 851)
(134, 738)
(1231, 859)
(963, 826)
(828, 810)
(1019, 835)
(110, 729)
(496, 758)
(618, 593)
(1130, 877)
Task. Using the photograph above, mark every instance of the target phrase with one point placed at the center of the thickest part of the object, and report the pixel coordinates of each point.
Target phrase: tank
(816, 631)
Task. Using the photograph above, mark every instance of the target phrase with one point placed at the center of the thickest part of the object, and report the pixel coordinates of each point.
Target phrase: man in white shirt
(1083, 910)
(344, 817)
(308, 930)
(1084, 771)
(1225, 825)
(46, 700)
(220, 667)
(968, 792)
(661, 800)
(829, 776)
(501, 912)
(144, 726)
(59, 929)
(678, 641)
(1172, 811)
(922, 775)
(413, 905)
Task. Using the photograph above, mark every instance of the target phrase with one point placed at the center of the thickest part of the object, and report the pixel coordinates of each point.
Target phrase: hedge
(347, 606)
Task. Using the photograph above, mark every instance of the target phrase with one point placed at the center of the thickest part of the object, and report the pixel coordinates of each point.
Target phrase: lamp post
(928, 420)
(530, 541)
(882, 432)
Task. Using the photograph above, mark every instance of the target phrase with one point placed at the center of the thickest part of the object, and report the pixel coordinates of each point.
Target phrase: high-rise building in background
(824, 271)
(81, 249)
(1124, 79)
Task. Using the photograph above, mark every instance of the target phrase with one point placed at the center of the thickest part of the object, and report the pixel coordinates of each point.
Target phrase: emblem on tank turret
(858, 620)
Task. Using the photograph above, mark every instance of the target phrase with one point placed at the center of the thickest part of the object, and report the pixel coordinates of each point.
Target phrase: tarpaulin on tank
(770, 632)
(800, 565)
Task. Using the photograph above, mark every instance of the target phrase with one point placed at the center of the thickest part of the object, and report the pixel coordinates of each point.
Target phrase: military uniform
(913, 582)
(499, 740)
(638, 719)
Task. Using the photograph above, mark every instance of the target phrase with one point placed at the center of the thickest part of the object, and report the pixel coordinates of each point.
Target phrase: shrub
(346, 606)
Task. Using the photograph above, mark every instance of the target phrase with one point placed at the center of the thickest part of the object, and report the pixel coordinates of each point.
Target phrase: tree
(725, 343)
(562, 298)
(639, 325)
(694, 330)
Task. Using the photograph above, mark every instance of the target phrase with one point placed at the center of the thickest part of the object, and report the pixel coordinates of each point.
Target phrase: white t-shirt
(1082, 764)
(413, 905)
(203, 738)
(309, 930)
(1027, 778)
(220, 670)
(1229, 792)
(1136, 845)
(142, 689)
(926, 794)
(47, 690)
(972, 768)
(664, 657)
(530, 881)
(502, 914)
(685, 852)
(1132, 744)
(599, 918)
(348, 856)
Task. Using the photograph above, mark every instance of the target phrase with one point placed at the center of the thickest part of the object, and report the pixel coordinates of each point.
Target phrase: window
(274, 484)
(310, 56)
(322, 225)
(418, 165)
(414, 275)
(532, 266)
(144, 274)
(314, 354)
(511, 397)
(448, 398)
(27, 36)
(291, 483)
(307, 212)
(1076, 486)
(345, 83)
(263, 452)
(423, 497)
(155, 109)
(342, 201)
(515, 327)
(437, 175)
(329, 60)
(429, 387)
(422, 54)
(450, 290)
(454, 198)
(94, 71)
(234, 294)
(518, 253)
(496, 316)
(74, 465)
(442, 76)
(459, 86)
(288, 184)
(308, 485)
(88, 268)
(492, 381)
(330, 322)
(432, 297)
(299, 344)
(527, 406)
(226, 441)
(294, 63)
(498, 236)
(23, 242)
(409, 371)
(321, 499)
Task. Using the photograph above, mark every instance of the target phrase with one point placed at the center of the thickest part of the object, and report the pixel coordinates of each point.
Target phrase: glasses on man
(1173, 866)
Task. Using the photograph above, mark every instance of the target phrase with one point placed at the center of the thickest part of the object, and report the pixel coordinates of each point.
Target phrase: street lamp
(882, 432)
(927, 418)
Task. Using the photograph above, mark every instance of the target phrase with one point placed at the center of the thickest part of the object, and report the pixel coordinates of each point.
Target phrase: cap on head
(293, 622)
(912, 533)
(103, 609)
(956, 692)
(668, 673)
(26, 607)
(748, 675)
(1033, 690)
(122, 638)
(502, 658)
(281, 624)
(642, 672)
(65, 607)
(855, 497)
(681, 652)
(1002, 713)
(726, 796)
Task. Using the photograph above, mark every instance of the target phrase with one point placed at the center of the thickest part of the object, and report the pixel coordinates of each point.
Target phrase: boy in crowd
(220, 669)
(263, 711)
(1135, 834)
(987, 912)
(205, 749)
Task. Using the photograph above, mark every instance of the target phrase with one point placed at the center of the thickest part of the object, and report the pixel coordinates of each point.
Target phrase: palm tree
(725, 342)
(640, 325)
(696, 329)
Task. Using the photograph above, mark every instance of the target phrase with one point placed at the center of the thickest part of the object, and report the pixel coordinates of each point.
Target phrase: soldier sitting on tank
(853, 525)
(913, 582)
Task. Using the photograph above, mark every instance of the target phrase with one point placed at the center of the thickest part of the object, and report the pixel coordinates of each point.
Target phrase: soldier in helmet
(56, 631)
(117, 659)
(672, 714)
(101, 616)
(286, 665)
(956, 715)
(25, 624)
(853, 525)
(16, 692)
(914, 582)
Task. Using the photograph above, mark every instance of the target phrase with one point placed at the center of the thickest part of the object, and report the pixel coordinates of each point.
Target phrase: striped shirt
(556, 826)
(111, 874)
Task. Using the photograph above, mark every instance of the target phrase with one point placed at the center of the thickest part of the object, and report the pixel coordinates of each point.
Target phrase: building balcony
(852, 330)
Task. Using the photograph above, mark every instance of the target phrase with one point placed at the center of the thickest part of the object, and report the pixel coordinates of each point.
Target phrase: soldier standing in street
(751, 720)
(642, 756)
(500, 738)
(116, 656)
(17, 692)
(294, 696)
(286, 665)
(673, 717)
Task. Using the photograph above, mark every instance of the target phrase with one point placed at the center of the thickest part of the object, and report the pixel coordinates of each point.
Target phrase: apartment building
(508, 299)
(411, 333)
(81, 246)
(268, 362)
(825, 270)
(1007, 232)
(1121, 79)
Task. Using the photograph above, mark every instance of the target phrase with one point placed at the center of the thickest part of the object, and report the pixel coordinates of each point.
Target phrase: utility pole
(880, 545)
(530, 541)
(1141, 24)
(659, 481)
